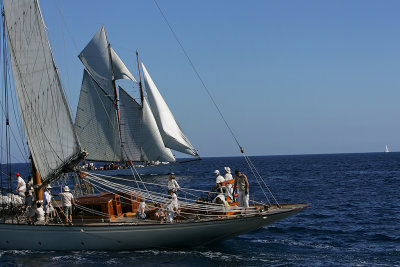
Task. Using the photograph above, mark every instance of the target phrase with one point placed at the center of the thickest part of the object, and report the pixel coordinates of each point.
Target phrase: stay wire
(197, 74)
(251, 165)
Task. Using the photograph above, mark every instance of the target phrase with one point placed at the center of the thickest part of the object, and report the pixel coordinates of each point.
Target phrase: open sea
(354, 218)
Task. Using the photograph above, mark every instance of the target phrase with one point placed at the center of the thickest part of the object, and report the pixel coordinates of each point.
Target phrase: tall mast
(140, 79)
(37, 181)
(115, 89)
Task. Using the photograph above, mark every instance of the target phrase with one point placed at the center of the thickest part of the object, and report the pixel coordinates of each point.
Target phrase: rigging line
(263, 181)
(75, 46)
(198, 75)
(259, 184)
(7, 79)
(128, 189)
(183, 204)
(208, 92)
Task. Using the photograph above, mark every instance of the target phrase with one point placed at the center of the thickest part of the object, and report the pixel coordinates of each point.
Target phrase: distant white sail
(44, 111)
(96, 122)
(141, 139)
(171, 133)
(386, 148)
(96, 59)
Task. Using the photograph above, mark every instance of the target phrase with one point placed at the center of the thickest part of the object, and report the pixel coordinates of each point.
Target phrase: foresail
(96, 59)
(44, 111)
(141, 139)
(120, 70)
(171, 133)
(96, 122)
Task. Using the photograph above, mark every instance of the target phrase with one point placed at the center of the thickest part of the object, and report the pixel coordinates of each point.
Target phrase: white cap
(49, 187)
(221, 196)
(66, 188)
(174, 195)
(227, 169)
(216, 172)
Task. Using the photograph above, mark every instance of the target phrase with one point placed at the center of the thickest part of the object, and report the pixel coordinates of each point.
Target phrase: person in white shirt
(67, 199)
(173, 185)
(141, 210)
(30, 210)
(219, 179)
(29, 185)
(223, 204)
(21, 186)
(229, 186)
(48, 207)
(39, 213)
(172, 208)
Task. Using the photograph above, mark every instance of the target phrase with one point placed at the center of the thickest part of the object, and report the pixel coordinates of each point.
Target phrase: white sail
(386, 148)
(119, 68)
(96, 59)
(47, 121)
(171, 133)
(96, 122)
(141, 140)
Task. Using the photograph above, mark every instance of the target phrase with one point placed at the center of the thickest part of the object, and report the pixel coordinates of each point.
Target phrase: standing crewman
(228, 186)
(243, 186)
(173, 185)
(67, 199)
(48, 207)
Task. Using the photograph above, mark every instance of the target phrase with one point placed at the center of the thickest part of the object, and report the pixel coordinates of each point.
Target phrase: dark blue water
(354, 218)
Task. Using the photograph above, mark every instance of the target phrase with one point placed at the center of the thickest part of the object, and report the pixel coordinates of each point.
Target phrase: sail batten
(171, 132)
(43, 107)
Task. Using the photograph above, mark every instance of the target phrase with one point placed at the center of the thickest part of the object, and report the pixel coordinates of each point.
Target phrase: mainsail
(171, 132)
(44, 111)
(96, 122)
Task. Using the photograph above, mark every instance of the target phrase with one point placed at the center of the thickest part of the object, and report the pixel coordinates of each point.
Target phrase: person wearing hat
(21, 185)
(243, 186)
(67, 199)
(172, 208)
(228, 187)
(219, 179)
(141, 210)
(173, 185)
(48, 207)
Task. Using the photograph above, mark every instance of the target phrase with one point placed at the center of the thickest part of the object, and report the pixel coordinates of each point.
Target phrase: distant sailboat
(386, 148)
(111, 125)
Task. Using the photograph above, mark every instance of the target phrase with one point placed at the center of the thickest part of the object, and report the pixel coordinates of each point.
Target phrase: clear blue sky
(291, 77)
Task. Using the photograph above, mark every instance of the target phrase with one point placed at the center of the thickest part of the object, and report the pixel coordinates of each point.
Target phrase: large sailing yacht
(106, 218)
